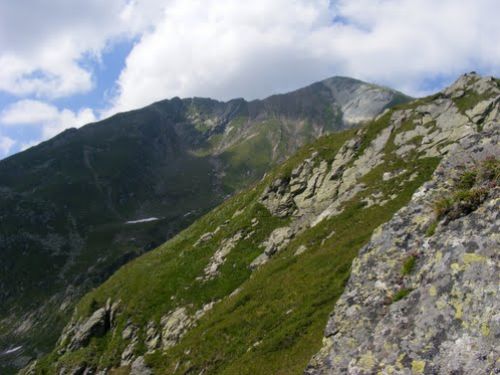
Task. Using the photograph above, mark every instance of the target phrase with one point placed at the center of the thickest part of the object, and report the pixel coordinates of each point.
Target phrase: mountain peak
(472, 81)
(358, 101)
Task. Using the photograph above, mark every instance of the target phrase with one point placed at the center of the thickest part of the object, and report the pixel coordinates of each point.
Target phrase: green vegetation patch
(408, 265)
(431, 229)
(471, 189)
(400, 294)
(470, 99)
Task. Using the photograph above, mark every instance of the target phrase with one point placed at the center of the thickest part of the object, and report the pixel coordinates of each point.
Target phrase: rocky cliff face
(249, 287)
(77, 207)
(423, 294)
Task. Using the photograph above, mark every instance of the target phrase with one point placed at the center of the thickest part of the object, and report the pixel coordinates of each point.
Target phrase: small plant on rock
(442, 206)
(408, 265)
(473, 187)
(431, 229)
(400, 294)
(467, 180)
(489, 172)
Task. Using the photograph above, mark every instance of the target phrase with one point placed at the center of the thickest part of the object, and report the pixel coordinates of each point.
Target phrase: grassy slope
(285, 305)
(275, 323)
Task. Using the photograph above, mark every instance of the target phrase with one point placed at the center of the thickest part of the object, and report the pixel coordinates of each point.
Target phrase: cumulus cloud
(48, 118)
(43, 43)
(227, 48)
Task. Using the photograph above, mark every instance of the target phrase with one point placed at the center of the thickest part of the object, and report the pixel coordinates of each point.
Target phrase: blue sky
(67, 63)
(105, 72)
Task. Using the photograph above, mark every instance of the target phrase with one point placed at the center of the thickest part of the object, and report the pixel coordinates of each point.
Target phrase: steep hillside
(75, 208)
(249, 287)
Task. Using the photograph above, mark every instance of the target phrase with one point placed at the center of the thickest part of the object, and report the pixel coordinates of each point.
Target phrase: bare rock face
(469, 81)
(278, 199)
(211, 270)
(360, 102)
(153, 338)
(139, 367)
(95, 326)
(278, 239)
(174, 326)
(78, 334)
(439, 316)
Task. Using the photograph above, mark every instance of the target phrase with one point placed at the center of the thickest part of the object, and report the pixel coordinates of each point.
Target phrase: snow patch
(142, 220)
(12, 350)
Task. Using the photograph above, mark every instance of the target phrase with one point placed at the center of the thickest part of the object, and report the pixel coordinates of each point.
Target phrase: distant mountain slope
(249, 287)
(73, 209)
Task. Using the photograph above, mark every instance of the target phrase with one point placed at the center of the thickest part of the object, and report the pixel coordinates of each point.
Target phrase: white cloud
(228, 48)
(224, 49)
(42, 43)
(6, 145)
(48, 118)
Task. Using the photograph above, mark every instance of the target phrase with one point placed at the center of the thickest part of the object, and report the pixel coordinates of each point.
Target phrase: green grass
(431, 229)
(467, 180)
(460, 203)
(408, 265)
(372, 130)
(442, 206)
(489, 171)
(400, 294)
(250, 159)
(470, 99)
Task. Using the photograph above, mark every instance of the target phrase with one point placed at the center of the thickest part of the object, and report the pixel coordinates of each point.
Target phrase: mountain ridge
(250, 286)
(65, 203)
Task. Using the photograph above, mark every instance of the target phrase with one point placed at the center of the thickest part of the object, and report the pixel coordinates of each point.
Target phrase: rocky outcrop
(419, 302)
(174, 325)
(278, 239)
(317, 190)
(95, 326)
(171, 328)
(430, 129)
(278, 199)
(77, 335)
(220, 255)
(139, 367)
(205, 237)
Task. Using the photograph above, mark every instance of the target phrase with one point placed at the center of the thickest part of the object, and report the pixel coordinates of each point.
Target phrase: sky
(66, 63)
